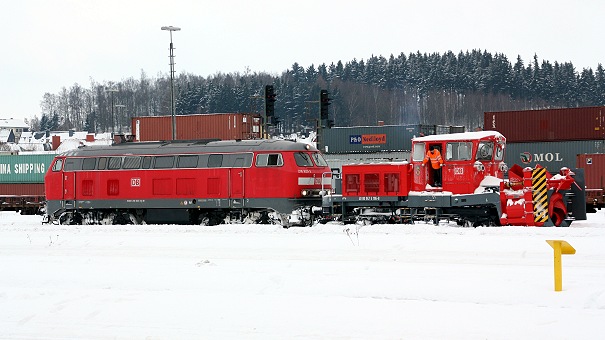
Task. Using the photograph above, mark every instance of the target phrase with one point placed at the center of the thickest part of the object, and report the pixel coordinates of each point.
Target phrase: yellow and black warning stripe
(540, 195)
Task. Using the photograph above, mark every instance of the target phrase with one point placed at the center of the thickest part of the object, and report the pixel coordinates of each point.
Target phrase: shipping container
(371, 139)
(24, 168)
(567, 124)
(551, 155)
(594, 177)
(223, 126)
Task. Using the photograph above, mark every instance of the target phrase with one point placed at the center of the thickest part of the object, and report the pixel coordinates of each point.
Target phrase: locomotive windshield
(302, 159)
(319, 159)
(485, 151)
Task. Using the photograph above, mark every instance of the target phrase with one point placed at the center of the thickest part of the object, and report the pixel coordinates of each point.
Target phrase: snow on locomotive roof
(152, 148)
(474, 135)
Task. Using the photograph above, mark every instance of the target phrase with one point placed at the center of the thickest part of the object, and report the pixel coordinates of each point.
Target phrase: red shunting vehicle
(473, 189)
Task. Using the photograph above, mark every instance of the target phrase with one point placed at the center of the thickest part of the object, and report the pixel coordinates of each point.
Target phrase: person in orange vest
(436, 163)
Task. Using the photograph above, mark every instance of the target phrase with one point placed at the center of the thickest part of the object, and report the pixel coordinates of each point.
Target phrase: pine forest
(418, 88)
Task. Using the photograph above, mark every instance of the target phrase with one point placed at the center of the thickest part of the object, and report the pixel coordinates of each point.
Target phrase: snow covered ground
(329, 281)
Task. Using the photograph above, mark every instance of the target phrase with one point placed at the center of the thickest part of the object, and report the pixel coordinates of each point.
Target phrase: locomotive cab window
(418, 152)
(459, 151)
(303, 159)
(485, 151)
(269, 159)
(58, 165)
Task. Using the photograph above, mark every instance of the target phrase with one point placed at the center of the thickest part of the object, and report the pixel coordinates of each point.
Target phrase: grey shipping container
(581, 123)
(551, 155)
(387, 138)
(24, 168)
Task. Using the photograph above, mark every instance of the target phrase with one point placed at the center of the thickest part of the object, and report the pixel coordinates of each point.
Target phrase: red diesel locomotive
(473, 189)
(242, 181)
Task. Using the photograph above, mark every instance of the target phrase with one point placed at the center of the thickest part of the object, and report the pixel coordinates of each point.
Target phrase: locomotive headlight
(479, 166)
(503, 167)
(304, 192)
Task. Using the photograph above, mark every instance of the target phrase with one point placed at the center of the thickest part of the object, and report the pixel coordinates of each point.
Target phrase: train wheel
(108, 219)
(203, 219)
(70, 218)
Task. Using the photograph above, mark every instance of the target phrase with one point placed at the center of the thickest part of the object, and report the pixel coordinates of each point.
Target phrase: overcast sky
(51, 44)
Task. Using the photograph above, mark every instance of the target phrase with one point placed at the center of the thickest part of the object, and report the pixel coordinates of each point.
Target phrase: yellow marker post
(560, 247)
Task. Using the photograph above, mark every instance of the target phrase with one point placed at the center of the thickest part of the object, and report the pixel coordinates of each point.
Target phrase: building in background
(11, 130)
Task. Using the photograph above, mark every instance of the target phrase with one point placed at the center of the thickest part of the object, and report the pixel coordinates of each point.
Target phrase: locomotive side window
(418, 152)
(89, 163)
(485, 151)
(458, 151)
(352, 183)
(269, 159)
(303, 159)
(58, 165)
(132, 162)
(146, 162)
(102, 163)
(391, 182)
(237, 160)
(114, 163)
(371, 182)
(72, 164)
(163, 162)
(215, 161)
(499, 152)
(319, 159)
(187, 161)
(203, 161)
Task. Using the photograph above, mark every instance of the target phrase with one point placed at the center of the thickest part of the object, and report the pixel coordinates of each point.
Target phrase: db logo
(135, 182)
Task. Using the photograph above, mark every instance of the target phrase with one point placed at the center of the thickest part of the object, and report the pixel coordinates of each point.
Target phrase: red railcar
(26, 198)
(594, 176)
(473, 189)
(188, 182)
